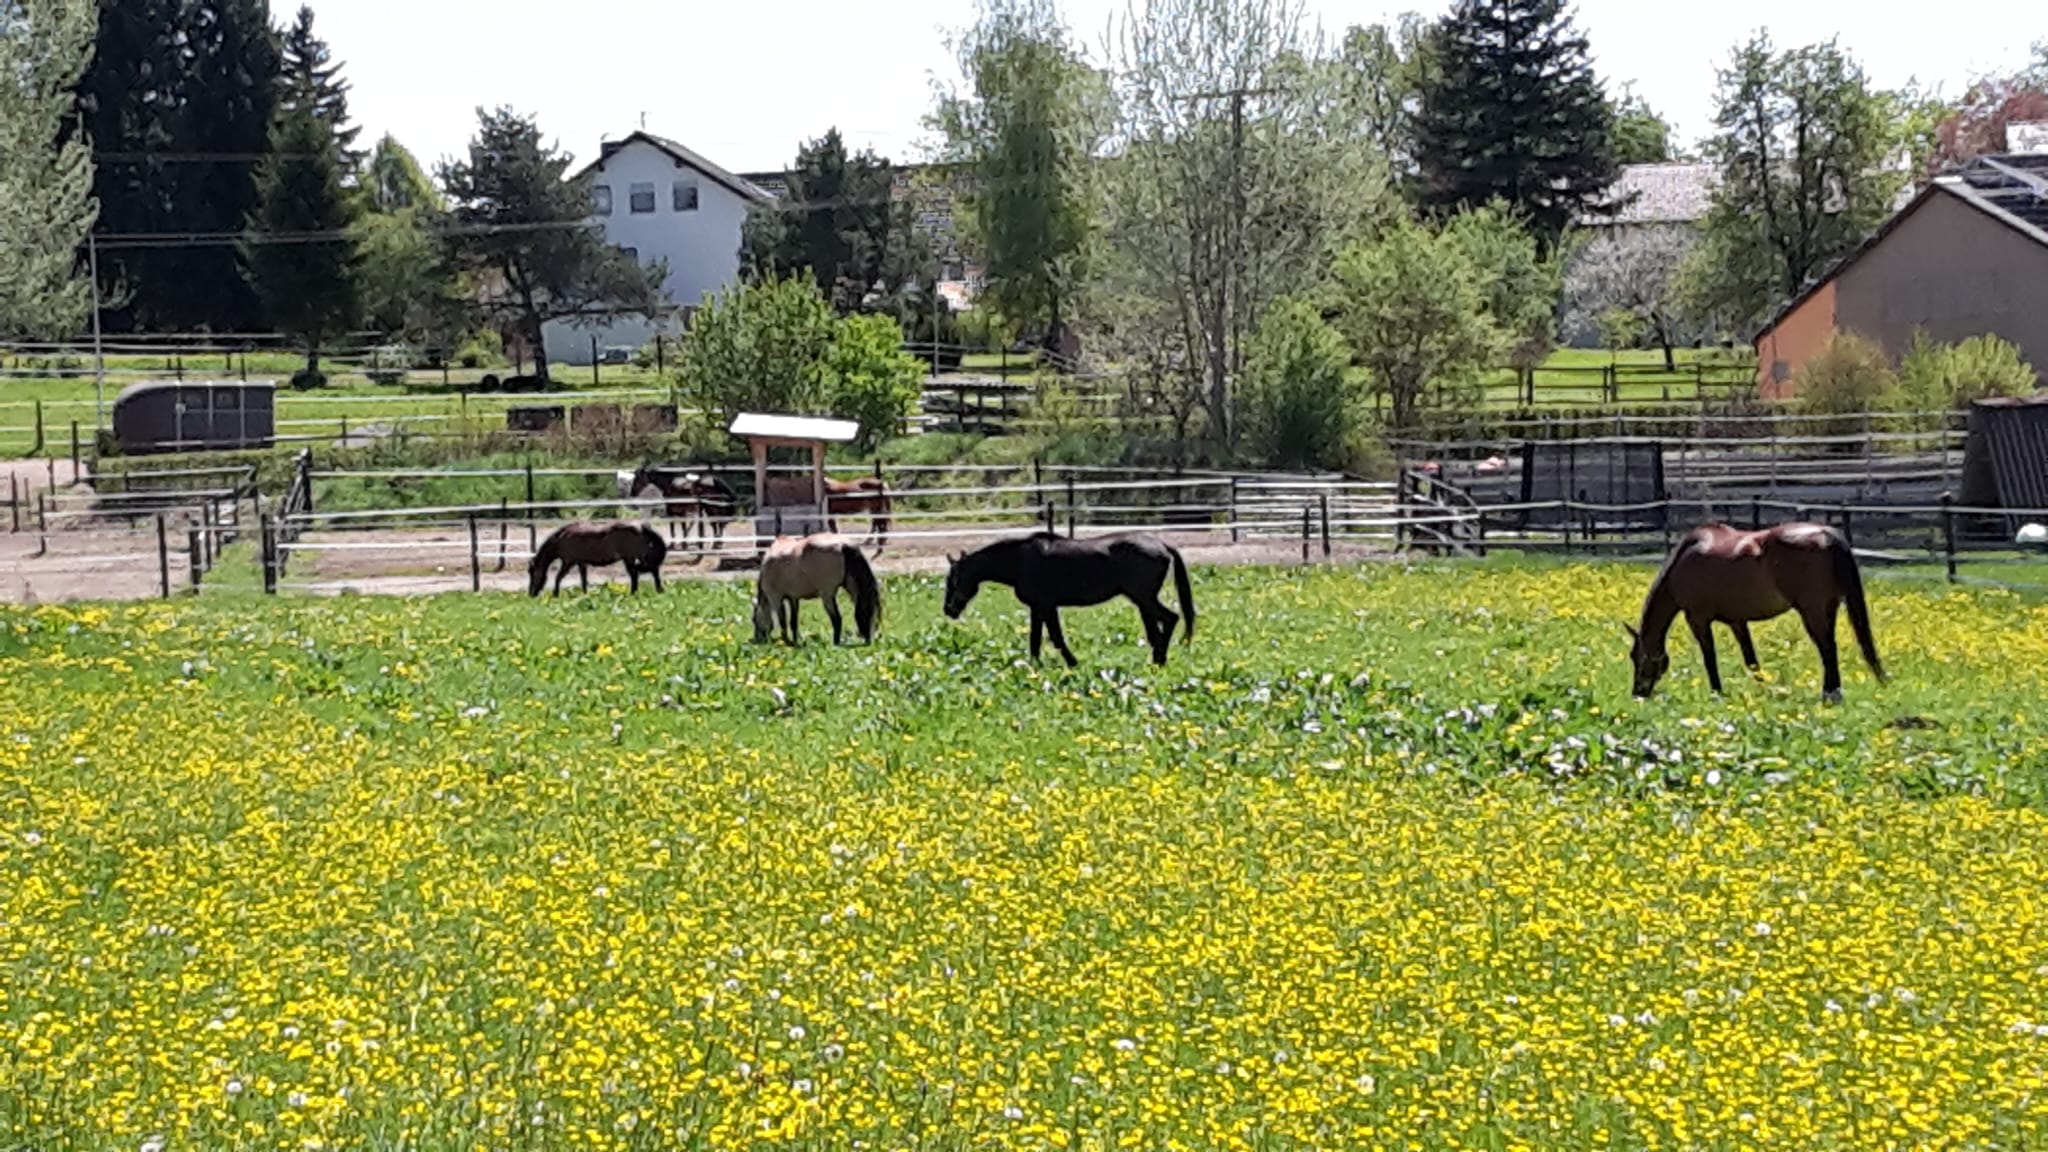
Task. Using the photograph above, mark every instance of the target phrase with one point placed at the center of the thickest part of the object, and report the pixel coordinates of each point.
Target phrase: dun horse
(1722, 574)
(705, 502)
(1048, 573)
(640, 548)
(815, 568)
(867, 495)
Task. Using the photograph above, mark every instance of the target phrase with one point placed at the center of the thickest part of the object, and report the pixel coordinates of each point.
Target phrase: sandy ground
(73, 560)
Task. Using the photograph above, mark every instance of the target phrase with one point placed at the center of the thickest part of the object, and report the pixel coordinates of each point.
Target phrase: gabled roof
(680, 155)
(2012, 190)
(1678, 192)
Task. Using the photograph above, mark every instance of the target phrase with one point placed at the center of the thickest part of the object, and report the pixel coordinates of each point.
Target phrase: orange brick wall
(1781, 351)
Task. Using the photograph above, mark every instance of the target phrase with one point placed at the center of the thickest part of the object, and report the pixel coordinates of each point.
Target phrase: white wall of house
(660, 208)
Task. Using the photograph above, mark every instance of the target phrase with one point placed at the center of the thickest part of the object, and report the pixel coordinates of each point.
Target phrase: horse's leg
(583, 574)
(796, 635)
(1037, 633)
(633, 578)
(1703, 631)
(831, 599)
(1820, 627)
(1748, 646)
(1059, 636)
(561, 574)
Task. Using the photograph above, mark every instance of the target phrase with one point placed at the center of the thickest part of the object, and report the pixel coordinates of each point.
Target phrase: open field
(1386, 856)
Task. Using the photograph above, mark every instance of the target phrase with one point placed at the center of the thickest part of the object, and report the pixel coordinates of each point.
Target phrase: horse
(1049, 572)
(704, 501)
(815, 568)
(580, 545)
(867, 495)
(1723, 574)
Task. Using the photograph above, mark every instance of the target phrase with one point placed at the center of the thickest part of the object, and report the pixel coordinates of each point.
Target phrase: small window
(686, 196)
(632, 254)
(601, 199)
(642, 199)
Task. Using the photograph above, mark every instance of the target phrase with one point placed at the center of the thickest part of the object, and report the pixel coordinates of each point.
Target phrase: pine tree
(301, 254)
(835, 222)
(46, 204)
(311, 80)
(1511, 111)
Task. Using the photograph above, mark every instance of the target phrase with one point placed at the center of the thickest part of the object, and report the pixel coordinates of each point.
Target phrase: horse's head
(536, 575)
(764, 620)
(1650, 662)
(960, 587)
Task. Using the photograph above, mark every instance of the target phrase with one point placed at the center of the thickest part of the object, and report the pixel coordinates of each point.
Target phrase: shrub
(867, 377)
(757, 347)
(1296, 403)
(1849, 374)
(481, 350)
(1985, 366)
(307, 378)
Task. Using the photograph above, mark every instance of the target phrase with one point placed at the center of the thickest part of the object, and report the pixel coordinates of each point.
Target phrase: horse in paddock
(1726, 575)
(866, 496)
(1049, 572)
(704, 502)
(815, 568)
(640, 548)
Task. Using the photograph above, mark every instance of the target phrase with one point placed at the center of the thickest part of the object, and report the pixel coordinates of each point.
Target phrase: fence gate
(1594, 472)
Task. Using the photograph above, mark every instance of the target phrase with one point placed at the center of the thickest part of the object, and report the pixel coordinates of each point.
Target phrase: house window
(632, 254)
(686, 196)
(601, 199)
(642, 199)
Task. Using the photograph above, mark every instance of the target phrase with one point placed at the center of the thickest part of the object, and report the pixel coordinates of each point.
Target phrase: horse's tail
(867, 593)
(543, 559)
(657, 548)
(1850, 581)
(1187, 594)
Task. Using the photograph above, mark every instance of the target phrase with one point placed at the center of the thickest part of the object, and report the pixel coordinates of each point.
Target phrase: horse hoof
(1834, 697)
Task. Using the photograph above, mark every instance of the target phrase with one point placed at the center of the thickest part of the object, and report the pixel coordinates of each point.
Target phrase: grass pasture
(1386, 858)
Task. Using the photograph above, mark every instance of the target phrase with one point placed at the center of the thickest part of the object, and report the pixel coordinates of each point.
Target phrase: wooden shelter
(812, 433)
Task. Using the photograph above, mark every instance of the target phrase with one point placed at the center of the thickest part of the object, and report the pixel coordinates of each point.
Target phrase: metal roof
(757, 424)
(146, 387)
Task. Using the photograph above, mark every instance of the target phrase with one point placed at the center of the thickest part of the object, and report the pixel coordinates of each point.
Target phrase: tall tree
(1512, 112)
(834, 223)
(1804, 146)
(46, 205)
(1640, 135)
(1238, 177)
(301, 252)
(311, 82)
(1413, 307)
(177, 103)
(1633, 271)
(1024, 130)
(519, 222)
(1382, 67)
(407, 284)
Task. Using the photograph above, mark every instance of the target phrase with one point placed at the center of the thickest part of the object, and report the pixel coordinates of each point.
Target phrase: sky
(745, 83)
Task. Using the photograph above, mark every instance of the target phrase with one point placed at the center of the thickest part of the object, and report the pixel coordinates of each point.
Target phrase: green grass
(1384, 856)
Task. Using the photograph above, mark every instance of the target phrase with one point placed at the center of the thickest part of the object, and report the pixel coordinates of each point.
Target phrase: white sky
(744, 83)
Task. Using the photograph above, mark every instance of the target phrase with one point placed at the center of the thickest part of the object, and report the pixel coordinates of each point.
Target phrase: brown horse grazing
(580, 545)
(1719, 573)
(867, 495)
(815, 568)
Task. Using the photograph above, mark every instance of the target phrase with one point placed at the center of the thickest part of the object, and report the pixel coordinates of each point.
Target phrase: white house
(660, 201)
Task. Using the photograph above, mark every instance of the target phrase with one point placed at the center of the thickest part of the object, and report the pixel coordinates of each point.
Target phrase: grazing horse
(1719, 573)
(706, 502)
(815, 568)
(867, 495)
(580, 545)
(1049, 572)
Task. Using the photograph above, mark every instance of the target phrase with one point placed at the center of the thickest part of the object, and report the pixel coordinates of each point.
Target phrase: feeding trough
(775, 512)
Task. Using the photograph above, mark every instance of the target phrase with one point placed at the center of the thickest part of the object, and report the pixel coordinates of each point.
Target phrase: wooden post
(1323, 501)
(1848, 530)
(818, 479)
(503, 517)
(1051, 525)
(1233, 510)
(38, 449)
(14, 499)
(1948, 532)
(269, 556)
(163, 556)
(596, 378)
(74, 452)
(1304, 533)
(192, 548)
(1070, 505)
(529, 489)
(42, 512)
(1756, 513)
(476, 570)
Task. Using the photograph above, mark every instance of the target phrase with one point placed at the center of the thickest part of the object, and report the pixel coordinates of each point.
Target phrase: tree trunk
(534, 325)
(312, 357)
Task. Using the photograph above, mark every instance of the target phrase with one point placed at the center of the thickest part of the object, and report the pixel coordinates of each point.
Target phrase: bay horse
(868, 495)
(705, 502)
(1049, 572)
(1726, 575)
(580, 545)
(815, 568)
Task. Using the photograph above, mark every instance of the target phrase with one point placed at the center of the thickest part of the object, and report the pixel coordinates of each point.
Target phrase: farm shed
(1966, 256)
(2005, 460)
(191, 415)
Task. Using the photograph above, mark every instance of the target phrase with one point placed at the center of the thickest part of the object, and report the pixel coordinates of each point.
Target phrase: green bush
(309, 378)
(481, 350)
(1297, 408)
(867, 377)
(1849, 374)
(1985, 366)
(758, 347)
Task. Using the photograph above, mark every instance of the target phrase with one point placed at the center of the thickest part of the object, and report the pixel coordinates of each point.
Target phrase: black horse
(693, 499)
(1049, 573)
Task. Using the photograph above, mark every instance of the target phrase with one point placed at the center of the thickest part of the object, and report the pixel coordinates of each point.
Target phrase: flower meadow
(1386, 858)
